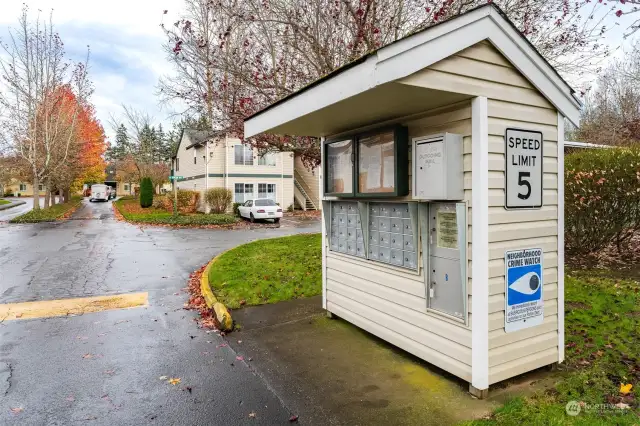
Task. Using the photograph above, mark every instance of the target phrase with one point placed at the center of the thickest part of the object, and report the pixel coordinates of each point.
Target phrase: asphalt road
(46, 376)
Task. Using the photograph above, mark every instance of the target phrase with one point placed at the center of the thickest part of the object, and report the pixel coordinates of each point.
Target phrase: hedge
(602, 198)
(146, 193)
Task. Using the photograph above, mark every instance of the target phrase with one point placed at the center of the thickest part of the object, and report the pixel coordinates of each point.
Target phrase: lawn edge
(121, 217)
(222, 314)
(12, 205)
(61, 217)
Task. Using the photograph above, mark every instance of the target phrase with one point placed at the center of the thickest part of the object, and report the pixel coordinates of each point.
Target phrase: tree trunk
(47, 193)
(67, 195)
(36, 193)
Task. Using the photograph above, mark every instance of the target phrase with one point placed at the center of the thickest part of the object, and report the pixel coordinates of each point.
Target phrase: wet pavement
(105, 368)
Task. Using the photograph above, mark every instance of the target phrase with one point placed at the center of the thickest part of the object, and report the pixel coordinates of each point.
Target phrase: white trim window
(268, 159)
(243, 192)
(40, 187)
(267, 190)
(23, 187)
(242, 155)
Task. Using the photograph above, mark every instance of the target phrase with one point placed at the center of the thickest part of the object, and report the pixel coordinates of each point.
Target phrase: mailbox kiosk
(442, 183)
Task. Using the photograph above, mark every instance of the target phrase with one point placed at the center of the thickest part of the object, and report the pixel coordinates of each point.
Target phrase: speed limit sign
(523, 171)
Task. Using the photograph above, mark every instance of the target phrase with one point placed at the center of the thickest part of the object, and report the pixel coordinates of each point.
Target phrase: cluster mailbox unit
(442, 195)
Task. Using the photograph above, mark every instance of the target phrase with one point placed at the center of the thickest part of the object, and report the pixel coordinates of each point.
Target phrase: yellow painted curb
(220, 311)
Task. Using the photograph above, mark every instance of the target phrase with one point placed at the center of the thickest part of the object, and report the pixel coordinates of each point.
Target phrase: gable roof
(413, 53)
(197, 138)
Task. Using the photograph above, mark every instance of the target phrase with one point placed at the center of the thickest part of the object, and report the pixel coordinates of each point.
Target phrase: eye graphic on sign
(526, 284)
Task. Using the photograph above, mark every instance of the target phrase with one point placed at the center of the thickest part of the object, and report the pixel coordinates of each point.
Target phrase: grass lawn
(49, 214)
(602, 353)
(269, 271)
(4, 202)
(132, 212)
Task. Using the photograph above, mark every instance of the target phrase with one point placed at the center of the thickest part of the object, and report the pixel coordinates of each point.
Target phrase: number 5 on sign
(523, 169)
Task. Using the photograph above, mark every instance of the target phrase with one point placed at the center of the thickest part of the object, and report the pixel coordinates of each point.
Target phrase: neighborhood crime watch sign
(524, 306)
(523, 171)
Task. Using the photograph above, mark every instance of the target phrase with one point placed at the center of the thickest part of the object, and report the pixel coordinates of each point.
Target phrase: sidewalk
(331, 372)
(13, 202)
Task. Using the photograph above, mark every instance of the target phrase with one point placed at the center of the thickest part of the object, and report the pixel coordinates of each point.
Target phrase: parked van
(99, 192)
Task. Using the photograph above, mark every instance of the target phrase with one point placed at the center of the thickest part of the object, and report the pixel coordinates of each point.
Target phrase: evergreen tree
(146, 192)
(121, 147)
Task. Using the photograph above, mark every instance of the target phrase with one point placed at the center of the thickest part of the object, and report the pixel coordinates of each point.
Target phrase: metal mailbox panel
(447, 288)
(406, 227)
(396, 257)
(351, 247)
(396, 225)
(408, 243)
(384, 239)
(373, 252)
(397, 241)
(384, 224)
(410, 259)
(384, 254)
(374, 238)
(360, 252)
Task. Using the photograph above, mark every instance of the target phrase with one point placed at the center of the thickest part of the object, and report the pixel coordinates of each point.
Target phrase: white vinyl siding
(512, 102)
(390, 301)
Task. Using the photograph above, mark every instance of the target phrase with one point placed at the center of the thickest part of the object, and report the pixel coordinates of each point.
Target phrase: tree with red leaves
(38, 121)
(233, 58)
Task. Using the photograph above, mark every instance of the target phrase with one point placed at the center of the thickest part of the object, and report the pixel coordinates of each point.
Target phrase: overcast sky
(126, 53)
(126, 47)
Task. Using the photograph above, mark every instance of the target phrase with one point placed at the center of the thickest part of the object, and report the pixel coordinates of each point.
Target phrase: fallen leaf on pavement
(163, 377)
(174, 381)
(19, 315)
(625, 389)
(239, 341)
(87, 356)
(221, 346)
(17, 410)
(240, 358)
(109, 372)
(293, 418)
(189, 389)
(252, 415)
(70, 398)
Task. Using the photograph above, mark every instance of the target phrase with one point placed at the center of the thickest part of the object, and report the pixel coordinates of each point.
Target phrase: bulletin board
(376, 163)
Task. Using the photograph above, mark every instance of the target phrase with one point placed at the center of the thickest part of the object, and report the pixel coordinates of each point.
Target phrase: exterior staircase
(302, 194)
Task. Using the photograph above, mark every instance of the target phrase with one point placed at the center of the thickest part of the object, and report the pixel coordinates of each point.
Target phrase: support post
(480, 246)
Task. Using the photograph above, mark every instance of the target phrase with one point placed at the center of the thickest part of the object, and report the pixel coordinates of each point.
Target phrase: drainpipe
(226, 159)
(206, 175)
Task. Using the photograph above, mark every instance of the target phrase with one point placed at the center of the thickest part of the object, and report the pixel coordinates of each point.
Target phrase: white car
(263, 208)
(99, 192)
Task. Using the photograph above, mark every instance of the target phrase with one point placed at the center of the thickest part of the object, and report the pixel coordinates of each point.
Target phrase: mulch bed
(242, 224)
(627, 262)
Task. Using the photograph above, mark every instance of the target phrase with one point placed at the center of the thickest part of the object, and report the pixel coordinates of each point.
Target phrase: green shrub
(290, 208)
(602, 198)
(146, 193)
(236, 212)
(218, 199)
(187, 200)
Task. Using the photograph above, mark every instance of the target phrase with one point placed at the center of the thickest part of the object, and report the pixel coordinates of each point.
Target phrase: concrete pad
(330, 372)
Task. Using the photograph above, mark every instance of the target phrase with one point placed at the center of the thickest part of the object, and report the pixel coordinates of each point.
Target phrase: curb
(220, 311)
(13, 204)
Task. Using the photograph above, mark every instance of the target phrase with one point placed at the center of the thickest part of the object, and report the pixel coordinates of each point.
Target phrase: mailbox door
(446, 289)
(446, 243)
